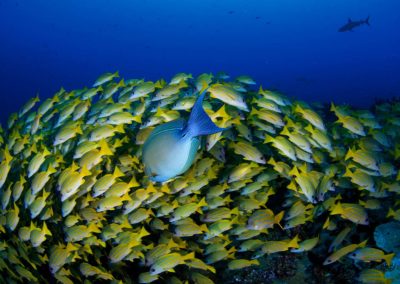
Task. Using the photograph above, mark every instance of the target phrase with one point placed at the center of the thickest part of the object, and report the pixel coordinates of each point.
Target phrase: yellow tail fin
(348, 173)
(78, 129)
(349, 154)
(188, 256)
(228, 199)
(388, 258)
(278, 218)
(150, 188)
(294, 172)
(7, 155)
(46, 152)
(337, 209)
(45, 230)
(235, 220)
(150, 212)
(16, 209)
(211, 268)
(292, 186)
(117, 173)
(253, 111)
(231, 252)
(285, 131)
(182, 84)
(51, 170)
(143, 233)
(235, 211)
(202, 203)
(164, 188)
(309, 128)
(133, 182)
(268, 139)
(121, 83)
(294, 243)
(104, 149)
(93, 228)
(85, 172)
(298, 109)
(391, 213)
(204, 228)
(172, 244)
(363, 244)
(119, 128)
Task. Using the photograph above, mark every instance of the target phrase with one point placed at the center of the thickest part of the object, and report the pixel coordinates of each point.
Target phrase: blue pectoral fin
(199, 121)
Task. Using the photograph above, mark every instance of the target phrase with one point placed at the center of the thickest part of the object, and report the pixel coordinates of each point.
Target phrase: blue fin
(199, 122)
(367, 21)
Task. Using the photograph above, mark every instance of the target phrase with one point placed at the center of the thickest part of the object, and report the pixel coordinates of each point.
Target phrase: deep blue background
(291, 45)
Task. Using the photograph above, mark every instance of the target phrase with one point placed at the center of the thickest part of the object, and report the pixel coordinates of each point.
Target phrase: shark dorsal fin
(349, 20)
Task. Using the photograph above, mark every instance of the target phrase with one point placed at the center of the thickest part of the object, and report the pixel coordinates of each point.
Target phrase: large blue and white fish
(171, 147)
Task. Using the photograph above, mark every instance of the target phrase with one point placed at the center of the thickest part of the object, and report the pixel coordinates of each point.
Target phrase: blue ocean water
(292, 46)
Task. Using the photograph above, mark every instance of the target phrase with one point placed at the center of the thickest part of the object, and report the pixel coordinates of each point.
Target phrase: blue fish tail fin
(199, 122)
(367, 21)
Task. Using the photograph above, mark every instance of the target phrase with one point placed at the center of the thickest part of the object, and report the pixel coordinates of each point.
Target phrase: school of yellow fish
(76, 204)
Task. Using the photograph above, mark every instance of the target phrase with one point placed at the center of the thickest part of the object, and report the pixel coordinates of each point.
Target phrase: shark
(350, 25)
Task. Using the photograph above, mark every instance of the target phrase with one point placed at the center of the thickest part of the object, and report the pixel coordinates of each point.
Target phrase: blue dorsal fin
(349, 20)
(199, 122)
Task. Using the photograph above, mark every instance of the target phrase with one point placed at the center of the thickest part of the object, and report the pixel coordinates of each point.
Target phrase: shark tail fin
(367, 21)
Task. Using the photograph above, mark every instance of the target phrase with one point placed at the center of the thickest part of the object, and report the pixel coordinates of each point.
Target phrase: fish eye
(353, 254)
(152, 270)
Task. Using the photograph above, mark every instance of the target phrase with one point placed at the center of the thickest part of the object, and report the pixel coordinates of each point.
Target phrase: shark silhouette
(350, 25)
